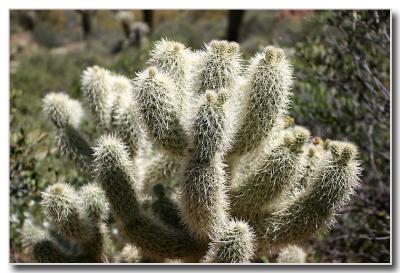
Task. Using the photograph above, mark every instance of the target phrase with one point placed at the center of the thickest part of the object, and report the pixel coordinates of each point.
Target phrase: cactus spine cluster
(196, 163)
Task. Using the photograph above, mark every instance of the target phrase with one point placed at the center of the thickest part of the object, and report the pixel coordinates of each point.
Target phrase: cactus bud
(317, 141)
(152, 72)
(299, 137)
(342, 152)
(288, 121)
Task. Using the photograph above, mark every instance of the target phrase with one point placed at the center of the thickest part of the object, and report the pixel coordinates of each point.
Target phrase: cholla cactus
(197, 163)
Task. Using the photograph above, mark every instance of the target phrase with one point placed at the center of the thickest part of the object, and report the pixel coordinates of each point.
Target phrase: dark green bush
(343, 91)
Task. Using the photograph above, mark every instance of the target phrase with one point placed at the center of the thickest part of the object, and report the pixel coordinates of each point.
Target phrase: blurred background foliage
(342, 91)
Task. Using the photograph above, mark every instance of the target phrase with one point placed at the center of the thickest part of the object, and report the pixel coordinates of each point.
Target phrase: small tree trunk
(126, 28)
(235, 18)
(86, 23)
(148, 18)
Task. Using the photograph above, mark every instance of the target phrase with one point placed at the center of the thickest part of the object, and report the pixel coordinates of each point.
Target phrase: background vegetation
(342, 69)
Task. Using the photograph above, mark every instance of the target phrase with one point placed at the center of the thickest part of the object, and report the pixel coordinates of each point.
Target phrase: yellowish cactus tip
(311, 152)
(222, 97)
(349, 151)
(58, 188)
(219, 47)
(233, 48)
(274, 55)
(177, 47)
(317, 141)
(211, 96)
(152, 72)
(288, 121)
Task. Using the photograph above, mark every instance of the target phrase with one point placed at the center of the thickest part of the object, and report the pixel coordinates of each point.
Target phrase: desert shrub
(343, 90)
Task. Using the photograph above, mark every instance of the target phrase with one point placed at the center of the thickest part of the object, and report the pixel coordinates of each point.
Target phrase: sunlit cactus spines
(267, 92)
(219, 66)
(97, 88)
(331, 185)
(114, 170)
(292, 254)
(62, 210)
(159, 108)
(129, 254)
(62, 110)
(92, 200)
(66, 114)
(195, 160)
(208, 127)
(174, 59)
(125, 122)
(204, 199)
(278, 170)
(236, 244)
(75, 217)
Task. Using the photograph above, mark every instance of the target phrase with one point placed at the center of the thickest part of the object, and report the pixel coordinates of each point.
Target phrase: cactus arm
(278, 171)
(66, 114)
(114, 173)
(74, 217)
(97, 86)
(75, 146)
(45, 249)
(203, 198)
(125, 122)
(159, 111)
(95, 210)
(313, 210)
(267, 91)
(173, 59)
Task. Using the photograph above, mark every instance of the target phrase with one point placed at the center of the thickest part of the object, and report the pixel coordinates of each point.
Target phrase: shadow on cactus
(248, 182)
